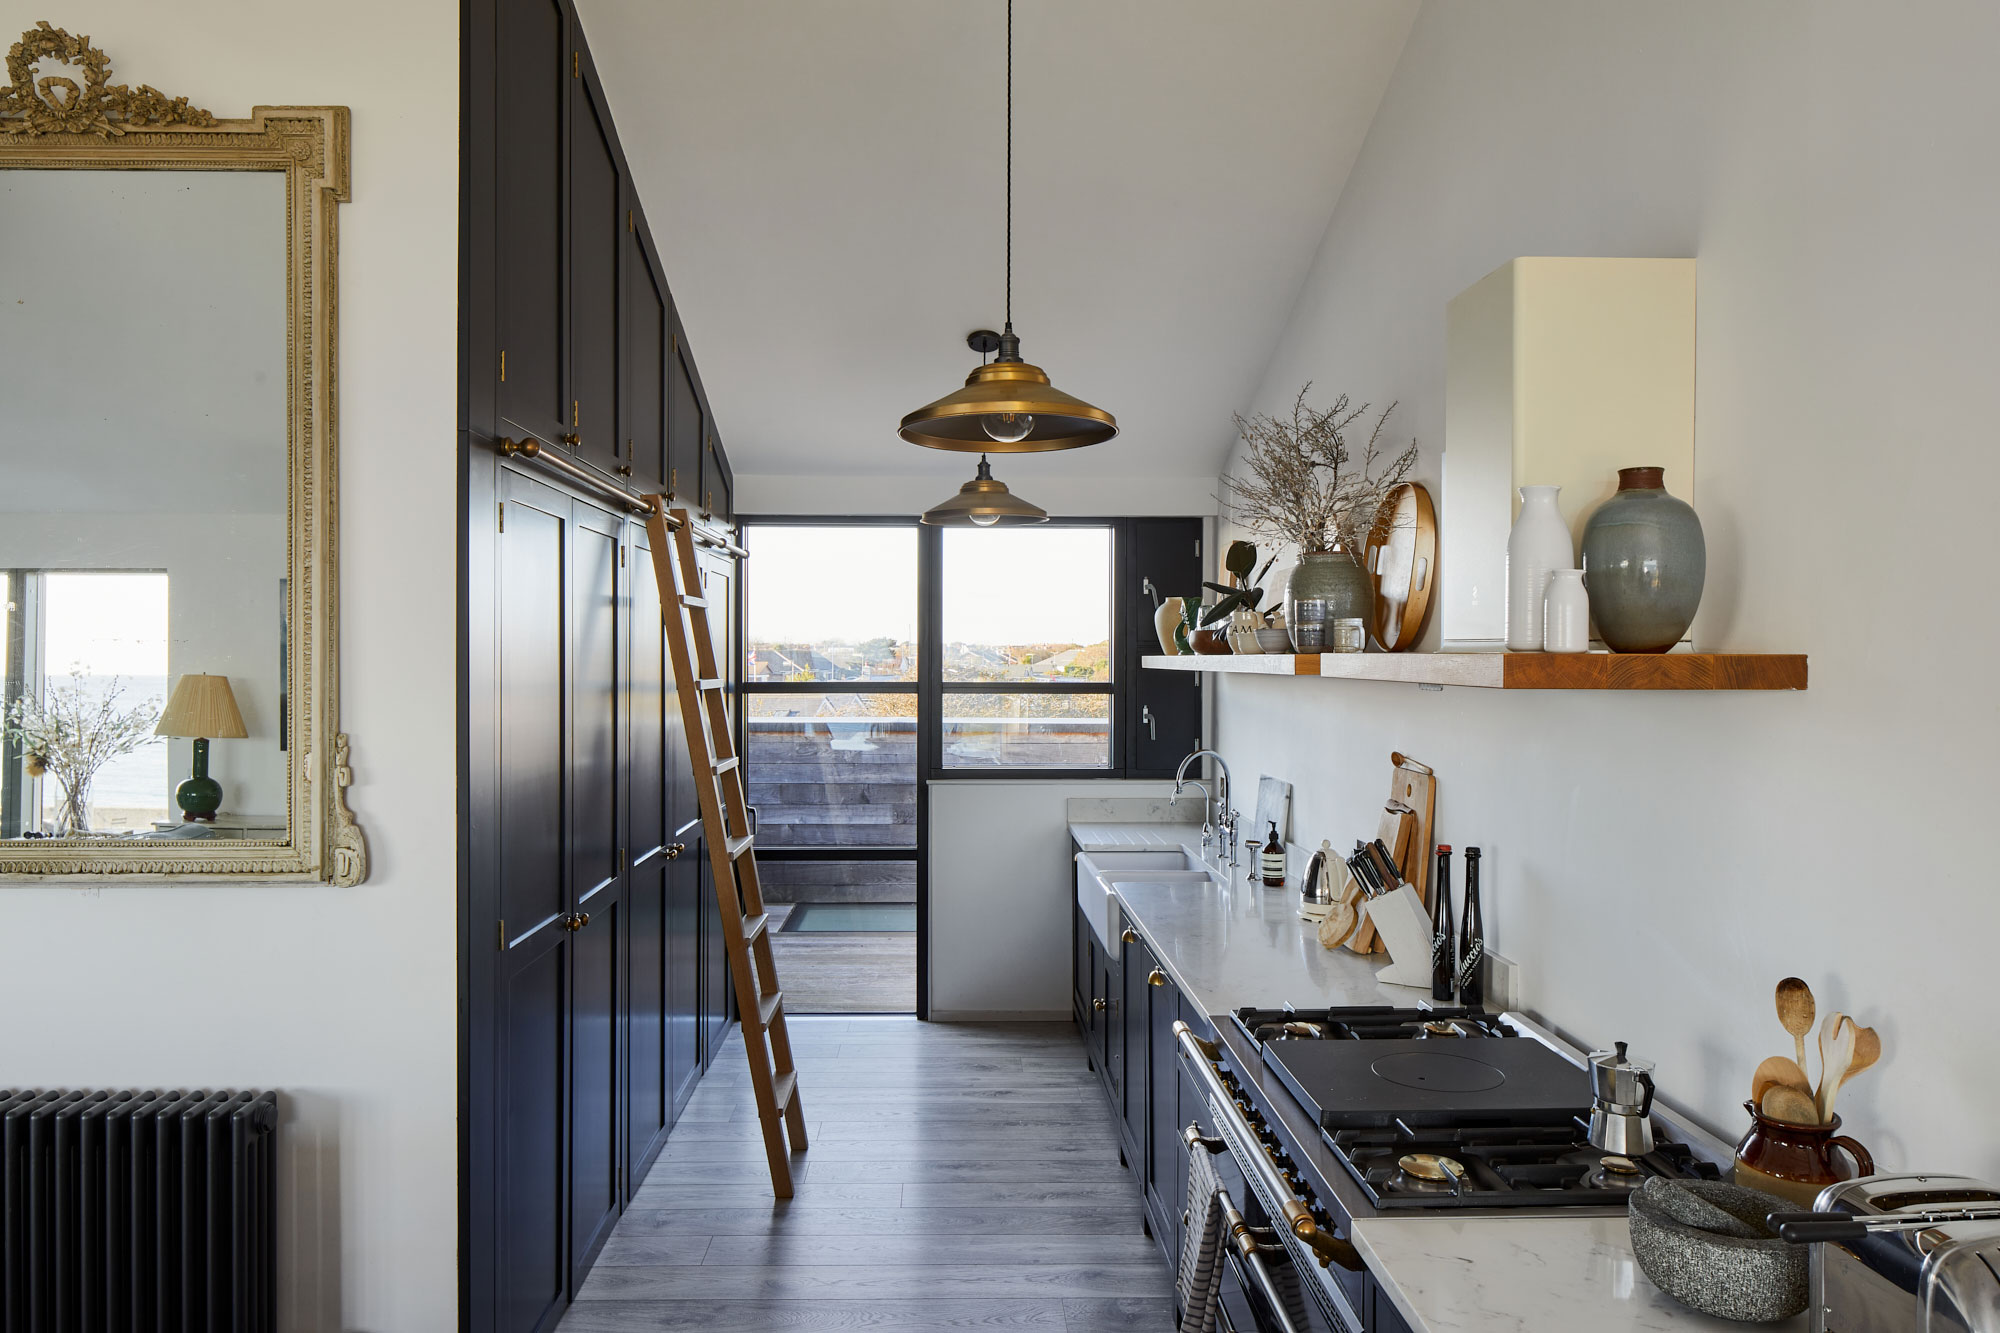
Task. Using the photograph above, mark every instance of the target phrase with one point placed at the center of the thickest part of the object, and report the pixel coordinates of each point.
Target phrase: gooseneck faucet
(1221, 817)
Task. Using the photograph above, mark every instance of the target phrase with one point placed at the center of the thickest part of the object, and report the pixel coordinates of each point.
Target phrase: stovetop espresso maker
(1622, 1106)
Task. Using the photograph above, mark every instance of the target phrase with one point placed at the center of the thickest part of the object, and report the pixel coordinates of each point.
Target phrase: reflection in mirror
(143, 503)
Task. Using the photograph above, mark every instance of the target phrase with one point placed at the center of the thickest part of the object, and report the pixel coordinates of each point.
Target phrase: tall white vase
(1539, 543)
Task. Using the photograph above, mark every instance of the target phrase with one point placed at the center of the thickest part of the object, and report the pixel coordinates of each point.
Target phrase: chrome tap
(1222, 818)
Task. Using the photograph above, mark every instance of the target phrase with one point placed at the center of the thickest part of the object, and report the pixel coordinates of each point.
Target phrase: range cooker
(1334, 1114)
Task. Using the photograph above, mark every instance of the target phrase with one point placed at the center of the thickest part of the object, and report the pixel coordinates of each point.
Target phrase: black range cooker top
(1394, 1090)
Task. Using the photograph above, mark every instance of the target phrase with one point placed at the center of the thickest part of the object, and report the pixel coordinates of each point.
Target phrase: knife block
(1405, 929)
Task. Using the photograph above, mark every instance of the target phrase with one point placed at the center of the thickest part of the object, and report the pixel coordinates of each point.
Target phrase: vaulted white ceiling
(824, 181)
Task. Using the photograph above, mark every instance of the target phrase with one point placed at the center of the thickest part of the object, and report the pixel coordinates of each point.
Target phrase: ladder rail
(717, 771)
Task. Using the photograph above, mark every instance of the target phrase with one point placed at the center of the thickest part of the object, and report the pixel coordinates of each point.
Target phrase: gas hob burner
(1519, 1166)
(1379, 1022)
(1614, 1173)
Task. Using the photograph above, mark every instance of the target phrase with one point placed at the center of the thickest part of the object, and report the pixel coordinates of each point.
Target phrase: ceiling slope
(825, 185)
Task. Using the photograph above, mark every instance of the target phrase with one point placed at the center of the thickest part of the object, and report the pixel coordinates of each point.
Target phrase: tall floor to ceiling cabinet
(593, 984)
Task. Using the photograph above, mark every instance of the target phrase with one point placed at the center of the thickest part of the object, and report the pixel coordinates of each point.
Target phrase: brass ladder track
(725, 821)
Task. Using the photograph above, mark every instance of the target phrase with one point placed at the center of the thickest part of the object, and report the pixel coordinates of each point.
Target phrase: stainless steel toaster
(1942, 1278)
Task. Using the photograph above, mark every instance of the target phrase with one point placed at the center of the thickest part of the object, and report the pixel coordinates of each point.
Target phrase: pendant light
(1007, 406)
(984, 503)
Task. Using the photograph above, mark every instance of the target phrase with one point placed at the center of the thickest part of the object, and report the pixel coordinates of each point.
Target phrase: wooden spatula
(1776, 1071)
(1836, 1053)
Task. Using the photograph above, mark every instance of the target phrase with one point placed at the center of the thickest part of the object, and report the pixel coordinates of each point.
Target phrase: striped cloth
(1201, 1248)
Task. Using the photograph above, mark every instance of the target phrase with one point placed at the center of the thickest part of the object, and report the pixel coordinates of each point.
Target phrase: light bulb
(1007, 427)
(985, 520)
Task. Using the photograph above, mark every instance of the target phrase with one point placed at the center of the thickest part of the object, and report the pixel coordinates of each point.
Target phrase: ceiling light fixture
(984, 503)
(1007, 406)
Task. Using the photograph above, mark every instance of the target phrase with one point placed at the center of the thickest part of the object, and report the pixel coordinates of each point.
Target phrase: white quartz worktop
(1523, 1275)
(1238, 944)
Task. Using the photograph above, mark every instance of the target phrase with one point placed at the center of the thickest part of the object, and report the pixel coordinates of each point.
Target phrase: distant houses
(885, 660)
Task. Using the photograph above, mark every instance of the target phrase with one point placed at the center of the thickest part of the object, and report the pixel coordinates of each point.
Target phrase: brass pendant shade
(984, 503)
(1014, 388)
(1007, 406)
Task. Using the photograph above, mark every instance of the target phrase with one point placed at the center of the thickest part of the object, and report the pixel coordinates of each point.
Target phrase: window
(1027, 663)
(92, 641)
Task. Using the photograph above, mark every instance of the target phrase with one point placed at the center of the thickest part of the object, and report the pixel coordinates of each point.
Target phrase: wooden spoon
(1836, 1053)
(1796, 1011)
(1867, 1050)
(1779, 1069)
(1785, 1102)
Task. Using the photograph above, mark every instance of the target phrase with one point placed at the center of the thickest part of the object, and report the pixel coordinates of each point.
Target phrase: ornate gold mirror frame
(48, 122)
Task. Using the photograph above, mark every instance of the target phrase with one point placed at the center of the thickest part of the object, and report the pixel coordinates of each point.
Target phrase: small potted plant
(1241, 598)
(1309, 487)
(74, 733)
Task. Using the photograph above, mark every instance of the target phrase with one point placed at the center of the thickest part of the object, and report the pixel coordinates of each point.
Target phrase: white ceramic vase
(1566, 613)
(1539, 543)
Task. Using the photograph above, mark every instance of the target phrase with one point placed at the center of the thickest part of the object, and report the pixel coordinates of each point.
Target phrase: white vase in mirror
(1539, 543)
(1566, 613)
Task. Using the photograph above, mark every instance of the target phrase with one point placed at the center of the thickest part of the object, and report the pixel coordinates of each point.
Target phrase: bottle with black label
(1271, 862)
(1471, 939)
(1444, 957)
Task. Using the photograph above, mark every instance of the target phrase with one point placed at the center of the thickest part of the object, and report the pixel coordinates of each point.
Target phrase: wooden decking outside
(837, 973)
(960, 1177)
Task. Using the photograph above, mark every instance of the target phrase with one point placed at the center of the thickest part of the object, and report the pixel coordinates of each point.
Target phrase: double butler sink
(1098, 872)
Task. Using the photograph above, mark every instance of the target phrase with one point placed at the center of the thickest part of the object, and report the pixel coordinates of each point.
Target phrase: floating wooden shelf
(1523, 671)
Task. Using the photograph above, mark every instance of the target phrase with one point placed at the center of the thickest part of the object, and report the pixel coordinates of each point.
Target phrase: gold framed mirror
(169, 630)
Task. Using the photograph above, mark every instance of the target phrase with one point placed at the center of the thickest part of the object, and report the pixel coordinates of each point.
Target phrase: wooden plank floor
(835, 972)
(962, 1178)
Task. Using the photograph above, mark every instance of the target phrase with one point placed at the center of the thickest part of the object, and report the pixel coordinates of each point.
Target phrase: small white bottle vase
(1566, 613)
(1539, 543)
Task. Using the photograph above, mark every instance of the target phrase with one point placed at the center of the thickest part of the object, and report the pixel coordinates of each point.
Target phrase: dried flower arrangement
(1305, 485)
(74, 733)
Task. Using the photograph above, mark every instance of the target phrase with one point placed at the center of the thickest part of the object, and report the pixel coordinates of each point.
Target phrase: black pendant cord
(1010, 166)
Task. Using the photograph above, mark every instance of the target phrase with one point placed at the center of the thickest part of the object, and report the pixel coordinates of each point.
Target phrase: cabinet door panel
(717, 484)
(594, 752)
(533, 79)
(684, 885)
(649, 1106)
(594, 1082)
(597, 227)
(1166, 1167)
(1165, 551)
(685, 428)
(530, 1193)
(643, 359)
(1134, 1016)
(531, 688)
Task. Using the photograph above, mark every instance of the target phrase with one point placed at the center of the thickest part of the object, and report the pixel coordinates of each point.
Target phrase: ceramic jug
(1539, 543)
(1795, 1161)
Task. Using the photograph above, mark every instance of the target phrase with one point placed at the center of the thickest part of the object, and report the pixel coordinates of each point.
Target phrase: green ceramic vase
(1332, 576)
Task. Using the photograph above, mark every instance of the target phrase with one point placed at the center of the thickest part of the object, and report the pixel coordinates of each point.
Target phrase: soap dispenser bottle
(1271, 862)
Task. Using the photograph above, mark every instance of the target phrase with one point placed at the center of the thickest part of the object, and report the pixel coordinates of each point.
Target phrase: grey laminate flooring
(865, 972)
(961, 1178)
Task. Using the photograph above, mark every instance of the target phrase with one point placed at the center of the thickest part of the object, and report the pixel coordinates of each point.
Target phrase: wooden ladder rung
(709, 684)
(695, 603)
(721, 766)
(782, 1088)
(768, 1006)
(735, 847)
(753, 926)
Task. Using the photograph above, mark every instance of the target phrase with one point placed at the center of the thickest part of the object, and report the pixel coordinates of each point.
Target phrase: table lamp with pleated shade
(202, 708)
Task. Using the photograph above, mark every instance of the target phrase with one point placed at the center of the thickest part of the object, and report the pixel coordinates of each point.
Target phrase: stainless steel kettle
(1621, 1113)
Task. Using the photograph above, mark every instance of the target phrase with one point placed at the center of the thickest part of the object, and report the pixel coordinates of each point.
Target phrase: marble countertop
(1530, 1274)
(1241, 944)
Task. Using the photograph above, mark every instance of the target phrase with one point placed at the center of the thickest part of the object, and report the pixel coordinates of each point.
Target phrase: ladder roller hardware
(746, 928)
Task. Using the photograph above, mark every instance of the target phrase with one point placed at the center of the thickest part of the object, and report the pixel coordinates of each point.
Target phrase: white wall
(1037, 482)
(1002, 896)
(222, 602)
(1656, 863)
(343, 998)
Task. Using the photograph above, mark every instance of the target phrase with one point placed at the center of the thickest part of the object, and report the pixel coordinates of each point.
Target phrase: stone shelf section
(1523, 671)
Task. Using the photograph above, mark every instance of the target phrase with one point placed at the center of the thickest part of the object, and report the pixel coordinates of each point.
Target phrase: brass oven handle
(1326, 1247)
(1156, 978)
(1193, 1138)
(1246, 1245)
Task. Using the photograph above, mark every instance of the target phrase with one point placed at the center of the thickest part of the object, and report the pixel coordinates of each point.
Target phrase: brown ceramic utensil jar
(1795, 1161)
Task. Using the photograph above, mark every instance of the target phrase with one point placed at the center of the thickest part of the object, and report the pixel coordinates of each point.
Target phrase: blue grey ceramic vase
(1334, 577)
(1644, 561)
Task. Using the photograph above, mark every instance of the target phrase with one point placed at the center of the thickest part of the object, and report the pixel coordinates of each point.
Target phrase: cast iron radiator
(130, 1211)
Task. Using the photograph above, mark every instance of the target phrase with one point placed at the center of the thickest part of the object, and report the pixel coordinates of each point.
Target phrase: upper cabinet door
(643, 352)
(718, 483)
(597, 230)
(687, 427)
(533, 81)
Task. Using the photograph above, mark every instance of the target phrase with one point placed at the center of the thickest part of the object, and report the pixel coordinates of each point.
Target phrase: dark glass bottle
(1272, 861)
(1471, 939)
(1444, 957)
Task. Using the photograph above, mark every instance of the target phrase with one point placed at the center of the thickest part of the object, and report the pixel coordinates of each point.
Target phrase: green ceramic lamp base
(201, 795)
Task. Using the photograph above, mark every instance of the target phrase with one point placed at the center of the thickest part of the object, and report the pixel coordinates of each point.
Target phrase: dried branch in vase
(1305, 486)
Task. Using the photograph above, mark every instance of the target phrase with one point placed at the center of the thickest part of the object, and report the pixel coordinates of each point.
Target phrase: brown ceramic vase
(1795, 1161)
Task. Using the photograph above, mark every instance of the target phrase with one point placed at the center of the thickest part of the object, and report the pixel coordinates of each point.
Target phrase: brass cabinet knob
(572, 439)
(575, 921)
(1156, 978)
(674, 849)
(623, 470)
(1130, 936)
(1098, 1004)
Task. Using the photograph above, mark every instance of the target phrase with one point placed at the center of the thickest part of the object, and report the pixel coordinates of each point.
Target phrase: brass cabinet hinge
(576, 418)
(503, 516)
(503, 365)
(621, 557)
(621, 858)
(576, 64)
(628, 221)
(503, 934)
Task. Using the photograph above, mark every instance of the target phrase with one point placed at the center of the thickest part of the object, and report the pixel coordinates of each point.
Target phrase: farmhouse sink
(1099, 872)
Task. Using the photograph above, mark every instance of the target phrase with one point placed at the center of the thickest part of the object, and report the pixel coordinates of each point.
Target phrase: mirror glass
(143, 504)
